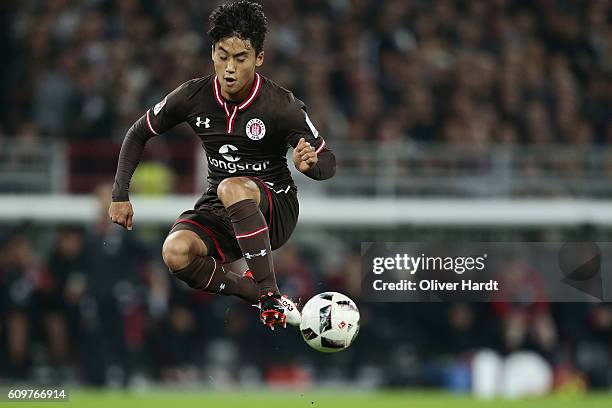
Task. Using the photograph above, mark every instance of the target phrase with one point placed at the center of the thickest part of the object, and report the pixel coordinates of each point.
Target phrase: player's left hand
(304, 156)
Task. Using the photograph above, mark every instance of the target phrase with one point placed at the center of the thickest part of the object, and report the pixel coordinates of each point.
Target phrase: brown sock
(206, 273)
(252, 234)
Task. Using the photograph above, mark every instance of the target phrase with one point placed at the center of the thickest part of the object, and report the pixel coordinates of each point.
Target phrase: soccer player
(246, 123)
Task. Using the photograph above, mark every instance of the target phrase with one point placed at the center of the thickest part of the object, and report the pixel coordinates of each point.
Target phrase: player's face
(235, 61)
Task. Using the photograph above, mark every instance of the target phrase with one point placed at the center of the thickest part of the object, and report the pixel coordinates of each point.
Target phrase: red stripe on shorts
(207, 231)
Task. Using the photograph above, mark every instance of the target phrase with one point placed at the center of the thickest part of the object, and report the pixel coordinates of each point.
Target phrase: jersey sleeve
(170, 111)
(297, 125)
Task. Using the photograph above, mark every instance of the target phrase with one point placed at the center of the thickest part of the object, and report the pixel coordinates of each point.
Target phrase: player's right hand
(121, 213)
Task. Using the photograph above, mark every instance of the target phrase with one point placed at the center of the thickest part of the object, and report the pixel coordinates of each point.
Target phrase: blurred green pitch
(333, 399)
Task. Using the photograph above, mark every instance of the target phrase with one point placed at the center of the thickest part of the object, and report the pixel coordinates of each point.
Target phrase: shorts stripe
(207, 231)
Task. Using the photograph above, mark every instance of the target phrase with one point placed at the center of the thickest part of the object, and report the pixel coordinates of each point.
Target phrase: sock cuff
(242, 209)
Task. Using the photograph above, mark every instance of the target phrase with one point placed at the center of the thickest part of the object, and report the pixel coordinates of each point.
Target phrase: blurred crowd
(93, 304)
(472, 71)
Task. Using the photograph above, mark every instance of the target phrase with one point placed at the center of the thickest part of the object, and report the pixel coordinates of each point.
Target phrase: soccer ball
(330, 322)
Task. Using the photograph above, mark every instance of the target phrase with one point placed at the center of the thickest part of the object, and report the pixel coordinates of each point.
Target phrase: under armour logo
(199, 121)
(263, 252)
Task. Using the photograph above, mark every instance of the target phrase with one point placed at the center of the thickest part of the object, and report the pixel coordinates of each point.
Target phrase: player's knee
(234, 189)
(176, 252)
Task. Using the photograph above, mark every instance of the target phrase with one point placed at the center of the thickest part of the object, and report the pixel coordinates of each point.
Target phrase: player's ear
(259, 60)
(212, 51)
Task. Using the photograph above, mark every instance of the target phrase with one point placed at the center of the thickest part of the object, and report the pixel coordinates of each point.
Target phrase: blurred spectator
(152, 179)
(593, 354)
(23, 277)
(66, 270)
(527, 323)
(112, 305)
(293, 274)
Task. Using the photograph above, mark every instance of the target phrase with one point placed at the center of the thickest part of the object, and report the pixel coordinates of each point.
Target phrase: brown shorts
(209, 219)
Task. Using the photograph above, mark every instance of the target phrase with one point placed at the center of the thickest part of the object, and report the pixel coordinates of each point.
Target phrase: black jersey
(249, 138)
